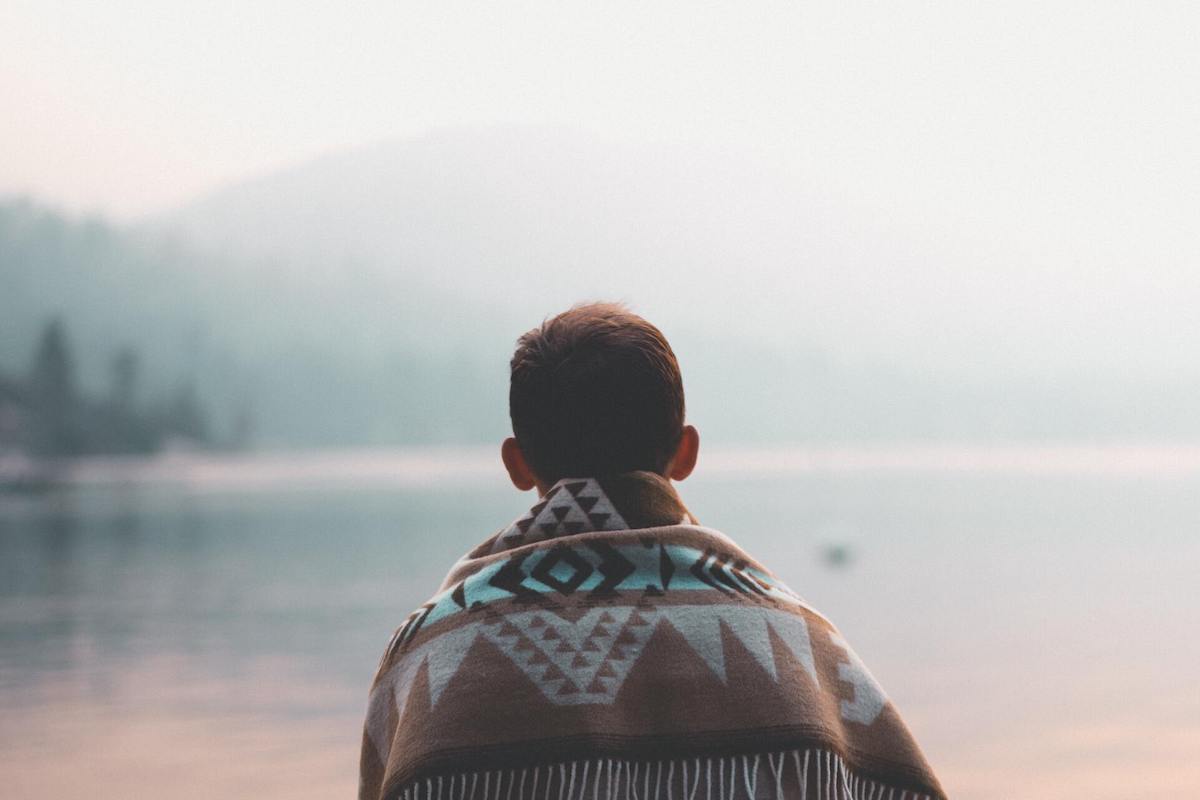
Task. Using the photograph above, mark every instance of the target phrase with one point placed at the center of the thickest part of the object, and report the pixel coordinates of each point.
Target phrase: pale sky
(1019, 108)
(1061, 137)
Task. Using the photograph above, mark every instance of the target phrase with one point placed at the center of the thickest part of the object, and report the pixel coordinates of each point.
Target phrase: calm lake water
(214, 632)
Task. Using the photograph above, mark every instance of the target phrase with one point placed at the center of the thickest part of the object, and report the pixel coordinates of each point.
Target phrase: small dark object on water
(837, 555)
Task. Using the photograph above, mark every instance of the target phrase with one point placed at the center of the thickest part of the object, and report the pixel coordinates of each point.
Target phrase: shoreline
(475, 464)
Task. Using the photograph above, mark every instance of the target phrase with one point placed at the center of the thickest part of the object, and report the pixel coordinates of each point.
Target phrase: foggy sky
(1039, 160)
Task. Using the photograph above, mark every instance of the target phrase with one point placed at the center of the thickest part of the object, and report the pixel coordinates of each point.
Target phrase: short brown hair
(595, 390)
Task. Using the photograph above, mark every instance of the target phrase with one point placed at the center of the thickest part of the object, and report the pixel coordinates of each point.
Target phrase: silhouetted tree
(53, 399)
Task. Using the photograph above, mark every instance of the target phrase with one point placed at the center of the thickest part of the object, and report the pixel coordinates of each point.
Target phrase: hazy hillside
(529, 220)
(373, 297)
(525, 219)
(312, 360)
(796, 314)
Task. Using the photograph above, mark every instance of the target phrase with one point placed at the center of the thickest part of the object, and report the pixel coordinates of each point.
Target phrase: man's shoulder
(626, 621)
(671, 572)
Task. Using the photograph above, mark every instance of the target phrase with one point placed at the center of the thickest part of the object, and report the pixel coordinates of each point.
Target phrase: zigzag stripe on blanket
(813, 774)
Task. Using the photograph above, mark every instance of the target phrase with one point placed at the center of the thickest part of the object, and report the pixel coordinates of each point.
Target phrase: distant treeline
(45, 413)
(332, 357)
(331, 351)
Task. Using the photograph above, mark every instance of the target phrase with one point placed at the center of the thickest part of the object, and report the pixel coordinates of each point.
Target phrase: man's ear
(519, 472)
(684, 460)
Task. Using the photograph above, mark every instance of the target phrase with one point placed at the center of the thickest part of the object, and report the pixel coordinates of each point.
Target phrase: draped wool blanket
(605, 646)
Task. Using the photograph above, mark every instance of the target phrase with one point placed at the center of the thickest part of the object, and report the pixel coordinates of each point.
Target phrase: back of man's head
(595, 390)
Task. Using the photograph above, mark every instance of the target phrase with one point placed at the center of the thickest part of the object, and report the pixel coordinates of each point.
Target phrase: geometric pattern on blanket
(586, 660)
(599, 571)
(572, 506)
(634, 641)
(574, 661)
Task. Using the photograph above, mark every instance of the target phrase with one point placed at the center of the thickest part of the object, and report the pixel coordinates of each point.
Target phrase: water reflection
(222, 642)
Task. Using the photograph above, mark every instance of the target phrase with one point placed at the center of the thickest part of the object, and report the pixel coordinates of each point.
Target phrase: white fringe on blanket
(813, 774)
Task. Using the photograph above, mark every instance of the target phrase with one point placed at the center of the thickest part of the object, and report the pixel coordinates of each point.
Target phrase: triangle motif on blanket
(575, 662)
(571, 506)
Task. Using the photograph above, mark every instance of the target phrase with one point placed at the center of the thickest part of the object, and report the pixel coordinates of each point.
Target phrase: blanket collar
(626, 501)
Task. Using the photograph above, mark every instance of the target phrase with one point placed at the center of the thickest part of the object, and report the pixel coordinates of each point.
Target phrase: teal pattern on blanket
(596, 569)
(606, 628)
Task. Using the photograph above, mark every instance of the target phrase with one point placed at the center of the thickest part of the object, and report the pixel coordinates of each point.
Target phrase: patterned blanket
(606, 646)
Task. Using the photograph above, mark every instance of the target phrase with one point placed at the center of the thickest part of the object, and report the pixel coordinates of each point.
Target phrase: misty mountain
(795, 314)
(526, 220)
(373, 297)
